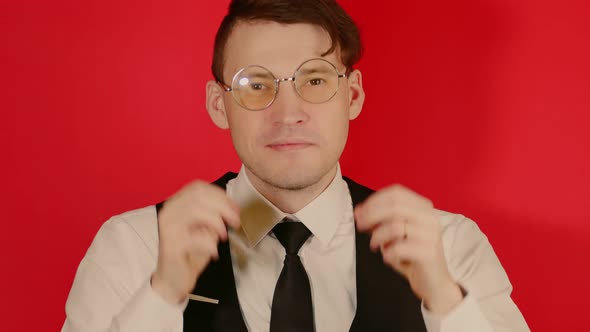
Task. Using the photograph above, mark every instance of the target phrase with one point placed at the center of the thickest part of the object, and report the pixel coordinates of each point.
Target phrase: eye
(315, 81)
(257, 86)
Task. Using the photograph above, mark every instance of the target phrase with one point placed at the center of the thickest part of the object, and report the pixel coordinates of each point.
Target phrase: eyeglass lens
(255, 87)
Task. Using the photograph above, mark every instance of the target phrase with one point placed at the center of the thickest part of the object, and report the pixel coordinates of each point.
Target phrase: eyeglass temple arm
(225, 87)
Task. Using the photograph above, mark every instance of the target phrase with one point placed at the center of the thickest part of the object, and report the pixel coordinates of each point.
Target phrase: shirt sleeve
(487, 307)
(112, 291)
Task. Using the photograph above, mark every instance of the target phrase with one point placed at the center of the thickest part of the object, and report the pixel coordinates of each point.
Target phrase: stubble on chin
(291, 180)
(288, 180)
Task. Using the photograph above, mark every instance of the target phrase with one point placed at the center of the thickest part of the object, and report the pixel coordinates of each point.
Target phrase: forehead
(278, 47)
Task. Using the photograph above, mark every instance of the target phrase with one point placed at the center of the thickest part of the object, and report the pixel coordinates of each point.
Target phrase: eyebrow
(321, 70)
(260, 75)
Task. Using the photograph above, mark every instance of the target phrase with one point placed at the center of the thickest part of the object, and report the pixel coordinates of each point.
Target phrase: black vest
(385, 301)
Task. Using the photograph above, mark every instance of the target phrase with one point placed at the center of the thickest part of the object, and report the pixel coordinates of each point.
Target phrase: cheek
(244, 128)
(338, 118)
(334, 128)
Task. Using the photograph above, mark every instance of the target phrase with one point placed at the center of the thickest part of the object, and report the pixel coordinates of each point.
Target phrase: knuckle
(398, 189)
(197, 190)
(386, 256)
(391, 252)
(197, 183)
(390, 256)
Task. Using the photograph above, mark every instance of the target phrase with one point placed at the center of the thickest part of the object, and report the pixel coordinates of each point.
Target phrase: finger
(209, 219)
(415, 251)
(200, 202)
(401, 194)
(367, 216)
(197, 231)
(216, 199)
(387, 232)
(230, 212)
(202, 245)
(374, 211)
(402, 255)
(382, 201)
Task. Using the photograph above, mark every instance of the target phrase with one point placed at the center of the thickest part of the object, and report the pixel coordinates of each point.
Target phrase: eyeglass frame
(277, 82)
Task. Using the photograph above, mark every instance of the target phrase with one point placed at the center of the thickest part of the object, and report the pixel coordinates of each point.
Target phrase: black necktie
(292, 309)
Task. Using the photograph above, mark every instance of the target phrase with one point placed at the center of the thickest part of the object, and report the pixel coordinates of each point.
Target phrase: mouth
(289, 145)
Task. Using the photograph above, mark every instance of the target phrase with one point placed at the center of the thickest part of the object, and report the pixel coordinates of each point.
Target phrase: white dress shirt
(328, 255)
(111, 291)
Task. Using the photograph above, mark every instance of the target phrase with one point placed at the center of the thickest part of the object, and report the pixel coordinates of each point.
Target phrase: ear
(216, 105)
(356, 94)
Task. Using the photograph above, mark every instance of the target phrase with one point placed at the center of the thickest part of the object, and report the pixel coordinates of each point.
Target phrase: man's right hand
(191, 223)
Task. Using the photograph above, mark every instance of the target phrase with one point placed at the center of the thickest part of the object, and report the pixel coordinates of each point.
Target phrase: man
(288, 244)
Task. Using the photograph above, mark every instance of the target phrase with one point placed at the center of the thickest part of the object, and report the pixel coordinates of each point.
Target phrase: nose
(288, 108)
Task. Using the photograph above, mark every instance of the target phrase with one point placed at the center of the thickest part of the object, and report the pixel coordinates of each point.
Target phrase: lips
(286, 145)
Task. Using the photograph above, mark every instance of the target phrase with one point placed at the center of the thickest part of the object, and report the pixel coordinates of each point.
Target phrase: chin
(292, 182)
(292, 176)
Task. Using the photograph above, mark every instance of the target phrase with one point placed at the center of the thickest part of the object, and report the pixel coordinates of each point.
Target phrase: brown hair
(326, 14)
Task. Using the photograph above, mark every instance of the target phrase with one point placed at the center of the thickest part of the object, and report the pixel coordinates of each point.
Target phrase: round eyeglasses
(255, 88)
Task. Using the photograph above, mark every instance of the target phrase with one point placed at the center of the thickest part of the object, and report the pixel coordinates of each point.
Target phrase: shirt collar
(258, 215)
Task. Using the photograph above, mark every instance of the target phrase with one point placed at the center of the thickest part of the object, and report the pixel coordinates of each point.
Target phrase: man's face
(293, 144)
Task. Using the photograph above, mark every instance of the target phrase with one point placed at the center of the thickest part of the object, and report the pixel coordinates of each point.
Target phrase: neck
(291, 201)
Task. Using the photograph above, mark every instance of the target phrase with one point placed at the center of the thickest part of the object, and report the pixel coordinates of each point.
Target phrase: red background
(480, 105)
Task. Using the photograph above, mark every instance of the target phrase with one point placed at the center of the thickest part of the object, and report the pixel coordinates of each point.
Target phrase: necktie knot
(292, 235)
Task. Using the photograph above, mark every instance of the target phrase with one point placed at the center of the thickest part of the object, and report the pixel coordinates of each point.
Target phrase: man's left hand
(405, 227)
